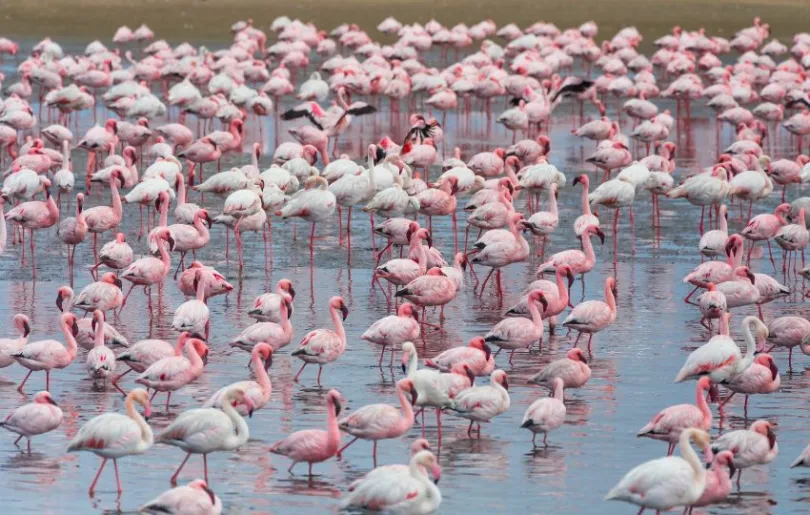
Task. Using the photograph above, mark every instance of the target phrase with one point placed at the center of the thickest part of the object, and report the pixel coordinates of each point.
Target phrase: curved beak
(470, 376)
(26, 328)
(750, 276)
(171, 241)
(731, 468)
(571, 278)
(576, 180)
(583, 359)
(544, 302)
(601, 236)
(414, 396)
(429, 240)
(487, 352)
(59, 301)
(344, 310)
(51, 401)
(774, 370)
(505, 384)
(75, 329)
(337, 405)
(292, 293)
(118, 283)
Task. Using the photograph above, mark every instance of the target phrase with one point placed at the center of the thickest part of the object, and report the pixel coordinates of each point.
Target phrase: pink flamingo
(193, 315)
(586, 218)
(323, 346)
(50, 354)
(227, 141)
(716, 271)
(499, 248)
(764, 227)
(573, 369)
(313, 445)
(259, 390)
(148, 271)
(104, 218)
(381, 421)
(267, 307)
(670, 422)
(394, 330)
(172, 373)
(483, 403)
(200, 152)
(440, 201)
(789, 331)
(420, 444)
(207, 430)
(529, 150)
(277, 335)
(546, 413)
(712, 305)
(34, 215)
(611, 157)
(593, 316)
(195, 496)
(579, 261)
(216, 285)
(400, 272)
(101, 359)
(116, 254)
(718, 480)
(315, 204)
(113, 436)
(33, 419)
(762, 377)
(9, 346)
(104, 294)
(432, 289)
(753, 446)
(476, 355)
(142, 354)
(519, 333)
(73, 230)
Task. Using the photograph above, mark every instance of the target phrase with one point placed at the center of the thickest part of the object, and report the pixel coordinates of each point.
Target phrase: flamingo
(789, 331)
(323, 346)
(712, 243)
(762, 377)
(432, 289)
(113, 436)
(394, 330)
(267, 307)
(381, 421)
(483, 403)
(573, 370)
(73, 230)
(104, 218)
(194, 497)
(9, 346)
(49, 354)
(104, 294)
(718, 480)
(116, 254)
(172, 373)
(593, 316)
(313, 445)
(259, 390)
(668, 424)
(315, 204)
(476, 355)
(753, 446)
(101, 359)
(546, 414)
(278, 335)
(36, 418)
(148, 271)
(764, 227)
(518, 333)
(665, 483)
(34, 215)
(207, 430)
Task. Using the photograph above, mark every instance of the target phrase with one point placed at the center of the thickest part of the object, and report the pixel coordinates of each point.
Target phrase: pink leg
(320, 369)
(117, 479)
(299, 372)
(340, 451)
(374, 453)
(20, 388)
(168, 399)
(173, 479)
(98, 474)
(48, 380)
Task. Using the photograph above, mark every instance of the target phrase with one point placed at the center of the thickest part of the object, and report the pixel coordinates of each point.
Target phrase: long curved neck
(164, 256)
(558, 390)
(146, 431)
(552, 199)
(406, 406)
(203, 282)
(413, 363)
(510, 173)
(53, 210)
(338, 324)
(610, 299)
(261, 374)
(372, 176)
(562, 287)
(723, 224)
(71, 341)
(691, 457)
(202, 229)
(750, 342)
(164, 214)
(194, 358)
(181, 191)
(587, 246)
(99, 336)
(702, 405)
(332, 430)
(537, 318)
(241, 430)
(116, 199)
(419, 250)
(3, 230)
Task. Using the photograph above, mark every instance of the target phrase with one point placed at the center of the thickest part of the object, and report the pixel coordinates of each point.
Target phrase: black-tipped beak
(404, 368)
(211, 495)
(344, 310)
(26, 329)
(487, 351)
(289, 308)
(208, 220)
(268, 362)
(171, 242)
(59, 301)
(414, 396)
(544, 302)
(93, 324)
(118, 283)
(429, 240)
(731, 468)
(729, 248)
(75, 329)
(470, 375)
(338, 407)
(250, 413)
(751, 276)
(576, 180)
(292, 292)
(601, 236)
(505, 384)
(571, 278)
(583, 359)
(51, 401)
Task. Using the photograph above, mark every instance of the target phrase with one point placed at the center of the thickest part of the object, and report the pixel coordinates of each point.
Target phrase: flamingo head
(333, 397)
(725, 459)
(265, 352)
(44, 397)
(582, 179)
(610, 283)
(566, 270)
(419, 445)
(111, 278)
(69, 320)
(205, 216)
(765, 428)
(745, 272)
(65, 292)
(499, 377)
(539, 296)
(287, 286)
(98, 319)
(80, 202)
(406, 385)
(461, 259)
(23, 324)
(592, 229)
(576, 354)
(430, 463)
(338, 303)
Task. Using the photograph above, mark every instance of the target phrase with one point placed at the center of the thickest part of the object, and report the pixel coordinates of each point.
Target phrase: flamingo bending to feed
(410, 491)
(753, 446)
(113, 436)
(313, 445)
(101, 359)
(573, 369)
(50, 354)
(519, 333)
(670, 422)
(194, 498)
(36, 418)
(172, 373)
(381, 421)
(665, 483)
(476, 355)
(206, 430)
(144, 353)
(323, 346)
(483, 403)
(259, 390)
(546, 414)
(9, 346)
(394, 330)
(593, 316)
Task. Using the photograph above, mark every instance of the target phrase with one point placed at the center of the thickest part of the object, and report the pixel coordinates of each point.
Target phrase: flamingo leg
(98, 474)
(205, 467)
(173, 479)
(20, 388)
(299, 372)
(340, 451)
(117, 479)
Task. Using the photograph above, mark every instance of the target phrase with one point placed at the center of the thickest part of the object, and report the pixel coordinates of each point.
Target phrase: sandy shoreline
(198, 20)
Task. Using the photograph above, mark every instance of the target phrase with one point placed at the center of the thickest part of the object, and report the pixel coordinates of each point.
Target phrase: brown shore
(209, 20)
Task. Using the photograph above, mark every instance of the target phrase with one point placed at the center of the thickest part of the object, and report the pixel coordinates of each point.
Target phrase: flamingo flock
(162, 147)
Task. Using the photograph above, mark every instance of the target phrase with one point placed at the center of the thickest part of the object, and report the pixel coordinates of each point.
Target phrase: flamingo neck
(610, 299)
(336, 320)
(552, 198)
(419, 250)
(372, 177)
(164, 256)
(723, 225)
(332, 430)
(691, 457)
(147, 437)
(181, 192)
(703, 406)
(3, 230)
(750, 342)
(99, 336)
(558, 390)
(562, 287)
(587, 246)
(201, 285)
(53, 210)
(241, 430)
(537, 317)
(164, 214)
(202, 229)
(407, 416)
(413, 363)
(71, 341)
(510, 173)
(117, 207)
(261, 375)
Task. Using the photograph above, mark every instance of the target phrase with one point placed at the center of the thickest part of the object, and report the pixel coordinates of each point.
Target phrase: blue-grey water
(633, 361)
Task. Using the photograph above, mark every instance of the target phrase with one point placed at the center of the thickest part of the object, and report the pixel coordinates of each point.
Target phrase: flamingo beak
(601, 236)
(291, 290)
(774, 370)
(470, 376)
(50, 400)
(429, 240)
(544, 302)
(75, 329)
(731, 468)
(487, 352)
(414, 396)
(337, 405)
(26, 329)
(436, 472)
(118, 283)
(570, 276)
(344, 310)
(750, 276)
(505, 384)
(59, 301)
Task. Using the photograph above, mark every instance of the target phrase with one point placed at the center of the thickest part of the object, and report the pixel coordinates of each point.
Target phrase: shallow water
(633, 363)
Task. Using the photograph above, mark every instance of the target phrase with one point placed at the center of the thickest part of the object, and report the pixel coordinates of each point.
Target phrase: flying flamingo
(313, 445)
(665, 483)
(670, 422)
(381, 421)
(174, 372)
(259, 390)
(323, 346)
(207, 430)
(113, 436)
(593, 316)
(49, 354)
(36, 418)
(546, 414)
